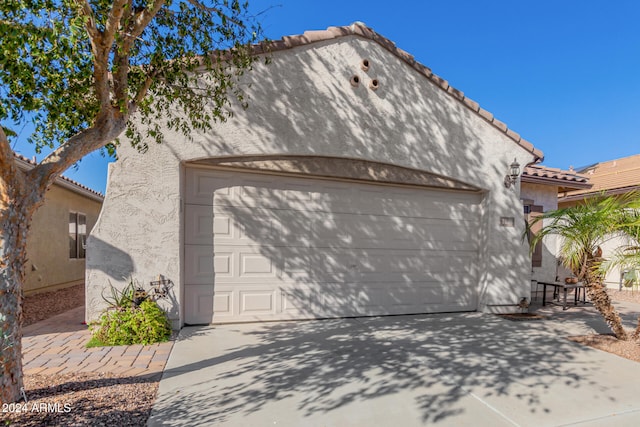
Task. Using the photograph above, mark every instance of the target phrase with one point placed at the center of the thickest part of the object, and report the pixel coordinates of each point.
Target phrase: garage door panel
(263, 226)
(300, 301)
(201, 185)
(376, 267)
(260, 228)
(202, 224)
(400, 295)
(255, 265)
(199, 304)
(199, 265)
(223, 263)
(254, 302)
(288, 247)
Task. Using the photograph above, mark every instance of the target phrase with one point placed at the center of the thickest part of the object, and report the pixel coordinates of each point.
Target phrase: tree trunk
(601, 301)
(21, 193)
(600, 298)
(636, 333)
(14, 224)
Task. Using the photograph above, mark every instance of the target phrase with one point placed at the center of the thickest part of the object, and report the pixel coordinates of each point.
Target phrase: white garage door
(268, 247)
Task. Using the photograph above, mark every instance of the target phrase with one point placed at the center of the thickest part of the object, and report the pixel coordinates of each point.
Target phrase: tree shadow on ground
(427, 364)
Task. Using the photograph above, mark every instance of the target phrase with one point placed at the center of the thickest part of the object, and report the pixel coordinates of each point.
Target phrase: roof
(565, 180)
(361, 30)
(27, 164)
(612, 177)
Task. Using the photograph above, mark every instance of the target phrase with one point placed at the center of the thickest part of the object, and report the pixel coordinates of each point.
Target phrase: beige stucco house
(613, 177)
(56, 244)
(356, 183)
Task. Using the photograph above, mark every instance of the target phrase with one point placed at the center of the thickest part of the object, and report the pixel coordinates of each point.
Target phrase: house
(613, 177)
(56, 244)
(539, 189)
(356, 183)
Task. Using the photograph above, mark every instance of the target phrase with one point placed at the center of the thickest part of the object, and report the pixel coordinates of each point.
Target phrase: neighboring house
(614, 177)
(539, 191)
(356, 183)
(56, 244)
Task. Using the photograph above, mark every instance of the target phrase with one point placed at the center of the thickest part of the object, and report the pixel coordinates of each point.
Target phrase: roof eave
(555, 181)
(63, 182)
(599, 193)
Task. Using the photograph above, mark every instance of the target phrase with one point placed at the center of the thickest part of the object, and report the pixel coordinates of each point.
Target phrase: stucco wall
(547, 197)
(303, 104)
(609, 247)
(49, 266)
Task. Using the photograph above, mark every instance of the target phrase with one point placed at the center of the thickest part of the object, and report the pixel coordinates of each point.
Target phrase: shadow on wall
(339, 249)
(407, 121)
(114, 263)
(313, 113)
(422, 366)
(120, 269)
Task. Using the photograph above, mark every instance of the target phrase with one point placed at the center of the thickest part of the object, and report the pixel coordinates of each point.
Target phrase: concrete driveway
(446, 369)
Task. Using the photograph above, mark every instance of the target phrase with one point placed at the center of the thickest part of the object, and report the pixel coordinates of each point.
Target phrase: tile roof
(71, 184)
(361, 30)
(611, 177)
(566, 180)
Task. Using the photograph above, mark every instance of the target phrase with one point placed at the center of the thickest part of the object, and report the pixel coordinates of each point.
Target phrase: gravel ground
(624, 295)
(44, 305)
(627, 349)
(83, 400)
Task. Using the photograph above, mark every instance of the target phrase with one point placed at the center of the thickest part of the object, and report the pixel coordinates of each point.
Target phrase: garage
(263, 246)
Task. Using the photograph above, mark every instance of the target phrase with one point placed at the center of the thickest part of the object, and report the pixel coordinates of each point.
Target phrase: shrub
(144, 324)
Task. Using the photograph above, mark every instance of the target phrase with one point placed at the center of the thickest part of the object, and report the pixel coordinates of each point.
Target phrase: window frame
(532, 211)
(77, 235)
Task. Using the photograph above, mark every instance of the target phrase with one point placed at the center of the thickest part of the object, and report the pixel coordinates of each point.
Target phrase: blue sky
(565, 74)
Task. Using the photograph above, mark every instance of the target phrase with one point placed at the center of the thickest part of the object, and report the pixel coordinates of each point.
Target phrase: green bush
(145, 324)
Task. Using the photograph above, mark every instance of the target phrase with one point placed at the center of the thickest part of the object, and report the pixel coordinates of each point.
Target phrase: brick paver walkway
(57, 345)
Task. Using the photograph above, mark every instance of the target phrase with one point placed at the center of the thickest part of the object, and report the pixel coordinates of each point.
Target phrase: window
(531, 212)
(77, 234)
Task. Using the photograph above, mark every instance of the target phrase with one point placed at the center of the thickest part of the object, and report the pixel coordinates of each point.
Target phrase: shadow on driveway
(442, 369)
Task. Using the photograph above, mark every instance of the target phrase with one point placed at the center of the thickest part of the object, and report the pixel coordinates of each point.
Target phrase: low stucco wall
(303, 104)
(49, 266)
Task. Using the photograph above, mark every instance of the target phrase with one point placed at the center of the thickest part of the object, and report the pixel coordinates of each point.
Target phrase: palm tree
(582, 230)
(627, 256)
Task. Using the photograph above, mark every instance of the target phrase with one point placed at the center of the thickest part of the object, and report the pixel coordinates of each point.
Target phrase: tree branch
(143, 19)
(202, 7)
(113, 22)
(100, 57)
(199, 5)
(108, 126)
(9, 171)
(121, 79)
(143, 90)
(90, 24)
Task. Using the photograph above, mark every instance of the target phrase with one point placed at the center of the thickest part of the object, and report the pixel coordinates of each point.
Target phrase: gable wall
(303, 104)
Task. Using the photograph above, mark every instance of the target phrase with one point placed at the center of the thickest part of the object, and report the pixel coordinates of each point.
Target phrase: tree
(85, 72)
(583, 229)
